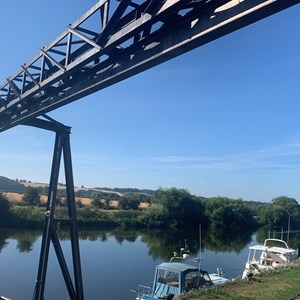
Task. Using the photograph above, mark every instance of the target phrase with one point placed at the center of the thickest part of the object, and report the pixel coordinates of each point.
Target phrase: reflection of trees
(3, 238)
(262, 234)
(91, 235)
(292, 238)
(124, 235)
(120, 235)
(226, 241)
(162, 244)
(26, 239)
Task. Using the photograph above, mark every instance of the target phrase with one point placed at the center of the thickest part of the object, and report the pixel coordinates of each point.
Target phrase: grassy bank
(280, 284)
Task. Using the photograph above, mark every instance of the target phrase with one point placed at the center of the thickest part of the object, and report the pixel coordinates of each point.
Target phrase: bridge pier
(62, 149)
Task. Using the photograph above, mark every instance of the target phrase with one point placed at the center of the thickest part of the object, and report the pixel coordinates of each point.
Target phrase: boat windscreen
(167, 282)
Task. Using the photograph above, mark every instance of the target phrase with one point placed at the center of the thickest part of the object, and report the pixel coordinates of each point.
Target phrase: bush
(129, 218)
(31, 196)
(154, 216)
(128, 203)
(97, 202)
(4, 209)
(28, 217)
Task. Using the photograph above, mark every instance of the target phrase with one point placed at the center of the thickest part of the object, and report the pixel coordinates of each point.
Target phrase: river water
(116, 261)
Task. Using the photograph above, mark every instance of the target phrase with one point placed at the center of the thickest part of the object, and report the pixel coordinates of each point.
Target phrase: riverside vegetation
(163, 208)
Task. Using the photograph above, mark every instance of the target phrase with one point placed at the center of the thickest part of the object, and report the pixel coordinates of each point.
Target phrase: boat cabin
(178, 276)
(173, 278)
(273, 252)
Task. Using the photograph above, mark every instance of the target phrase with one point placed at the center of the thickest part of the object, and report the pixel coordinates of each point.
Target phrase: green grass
(279, 284)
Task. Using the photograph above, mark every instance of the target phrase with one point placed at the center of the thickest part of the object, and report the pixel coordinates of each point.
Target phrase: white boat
(178, 276)
(273, 253)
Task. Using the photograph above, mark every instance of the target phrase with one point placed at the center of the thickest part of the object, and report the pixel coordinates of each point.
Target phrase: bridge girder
(110, 43)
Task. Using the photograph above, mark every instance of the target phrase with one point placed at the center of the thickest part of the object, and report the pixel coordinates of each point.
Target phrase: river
(116, 261)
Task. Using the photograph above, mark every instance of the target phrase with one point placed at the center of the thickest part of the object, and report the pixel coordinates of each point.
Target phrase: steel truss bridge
(112, 41)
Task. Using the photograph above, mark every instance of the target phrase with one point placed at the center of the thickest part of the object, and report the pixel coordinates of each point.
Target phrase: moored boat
(273, 253)
(176, 277)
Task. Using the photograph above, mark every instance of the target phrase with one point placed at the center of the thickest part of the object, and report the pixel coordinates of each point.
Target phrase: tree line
(171, 207)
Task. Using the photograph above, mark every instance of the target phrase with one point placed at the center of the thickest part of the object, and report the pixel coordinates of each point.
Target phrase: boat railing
(145, 289)
(282, 243)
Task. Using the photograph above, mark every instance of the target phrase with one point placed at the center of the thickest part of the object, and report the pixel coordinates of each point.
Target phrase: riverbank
(280, 284)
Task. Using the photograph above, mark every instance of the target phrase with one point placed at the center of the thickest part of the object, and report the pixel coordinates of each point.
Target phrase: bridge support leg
(62, 147)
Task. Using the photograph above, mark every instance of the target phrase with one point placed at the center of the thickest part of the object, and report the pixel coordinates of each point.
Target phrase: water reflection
(25, 238)
(3, 242)
(106, 253)
(226, 241)
(292, 237)
(161, 243)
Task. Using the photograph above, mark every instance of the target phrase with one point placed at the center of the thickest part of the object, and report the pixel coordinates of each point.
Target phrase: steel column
(73, 217)
(48, 222)
(61, 147)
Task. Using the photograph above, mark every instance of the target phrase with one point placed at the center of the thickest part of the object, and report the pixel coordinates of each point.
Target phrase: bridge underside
(113, 42)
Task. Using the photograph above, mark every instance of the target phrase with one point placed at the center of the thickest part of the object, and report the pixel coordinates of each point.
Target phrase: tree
(272, 214)
(129, 203)
(279, 212)
(61, 202)
(228, 213)
(4, 208)
(79, 203)
(180, 207)
(290, 205)
(31, 196)
(97, 201)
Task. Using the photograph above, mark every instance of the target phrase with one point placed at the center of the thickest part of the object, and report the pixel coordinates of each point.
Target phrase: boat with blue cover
(176, 277)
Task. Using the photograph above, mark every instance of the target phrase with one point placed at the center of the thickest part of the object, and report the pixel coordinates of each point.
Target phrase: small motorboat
(273, 253)
(178, 276)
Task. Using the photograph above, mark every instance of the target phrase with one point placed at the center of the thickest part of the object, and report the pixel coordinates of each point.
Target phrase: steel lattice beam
(116, 40)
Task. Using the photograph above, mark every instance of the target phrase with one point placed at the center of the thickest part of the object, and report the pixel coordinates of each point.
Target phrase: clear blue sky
(222, 120)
